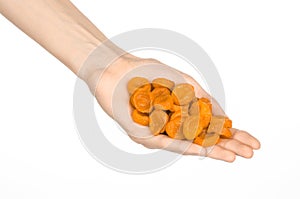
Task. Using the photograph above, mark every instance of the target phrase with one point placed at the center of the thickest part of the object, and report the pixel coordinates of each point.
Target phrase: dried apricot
(228, 123)
(191, 127)
(163, 102)
(159, 91)
(183, 94)
(199, 139)
(141, 101)
(163, 82)
(157, 121)
(136, 83)
(180, 114)
(140, 118)
(216, 125)
(174, 128)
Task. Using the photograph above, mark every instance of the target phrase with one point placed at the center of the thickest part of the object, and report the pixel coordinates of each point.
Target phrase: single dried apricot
(157, 121)
(136, 83)
(216, 125)
(159, 91)
(191, 127)
(163, 82)
(163, 102)
(174, 128)
(140, 118)
(183, 94)
(141, 101)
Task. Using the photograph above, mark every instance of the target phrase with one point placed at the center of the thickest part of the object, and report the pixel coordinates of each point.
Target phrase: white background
(255, 46)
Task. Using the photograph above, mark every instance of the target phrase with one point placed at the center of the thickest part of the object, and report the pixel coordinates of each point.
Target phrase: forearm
(58, 26)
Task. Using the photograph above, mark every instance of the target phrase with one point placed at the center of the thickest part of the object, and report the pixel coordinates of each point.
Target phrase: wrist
(106, 60)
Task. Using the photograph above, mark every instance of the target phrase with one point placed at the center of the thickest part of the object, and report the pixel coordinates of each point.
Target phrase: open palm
(241, 144)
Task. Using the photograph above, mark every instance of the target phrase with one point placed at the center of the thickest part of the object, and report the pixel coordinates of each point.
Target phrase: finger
(188, 148)
(237, 147)
(245, 138)
(219, 153)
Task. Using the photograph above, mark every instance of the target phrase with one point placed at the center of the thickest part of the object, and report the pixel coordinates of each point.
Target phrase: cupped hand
(241, 144)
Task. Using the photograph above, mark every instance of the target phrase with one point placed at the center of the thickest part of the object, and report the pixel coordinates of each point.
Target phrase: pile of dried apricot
(174, 110)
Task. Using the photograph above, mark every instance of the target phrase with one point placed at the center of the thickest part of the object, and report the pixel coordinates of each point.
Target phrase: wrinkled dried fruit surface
(163, 102)
(163, 82)
(136, 83)
(174, 128)
(140, 118)
(159, 91)
(228, 123)
(141, 101)
(157, 121)
(176, 111)
(183, 94)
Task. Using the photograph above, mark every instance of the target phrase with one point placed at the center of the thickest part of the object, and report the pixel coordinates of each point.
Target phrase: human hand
(241, 144)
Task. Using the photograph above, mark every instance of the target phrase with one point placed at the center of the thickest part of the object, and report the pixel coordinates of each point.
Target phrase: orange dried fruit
(157, 121)
(141, 101)
(183, 94)
(191, 127)
(189, 117)
(175, 115)
(163, 82)
(140, 118)
(174, 128)
(136, 83)
(228, 123)
(199, 139)
(159, 91)
(216, 125)
(163, 102)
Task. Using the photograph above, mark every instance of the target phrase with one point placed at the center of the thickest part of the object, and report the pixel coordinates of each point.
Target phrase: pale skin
(52, 23)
